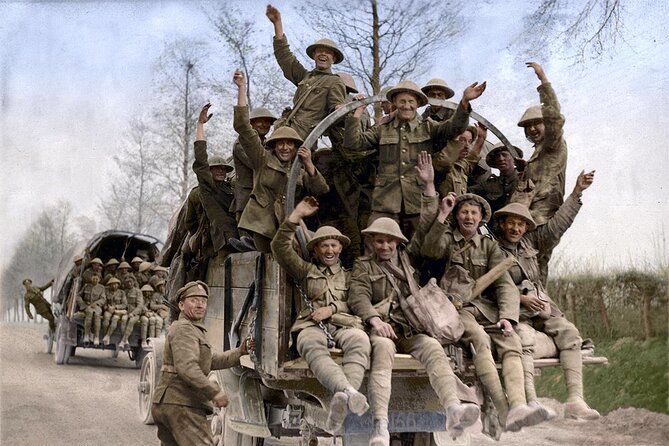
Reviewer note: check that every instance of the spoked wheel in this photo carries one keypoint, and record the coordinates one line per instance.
(218, 420)
(149, 375)
(63, 350)
(48, 341)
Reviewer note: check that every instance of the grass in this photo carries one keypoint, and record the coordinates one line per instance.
(637, 375)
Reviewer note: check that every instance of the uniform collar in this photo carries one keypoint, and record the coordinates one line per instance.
(200, 324)
(317, 71)
(334, 269)
(441, 114)
(412, 124)
(457, 235)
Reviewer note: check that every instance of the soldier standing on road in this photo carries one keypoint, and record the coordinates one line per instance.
(398, 142)
(270, 172)
(543, 181)
(437, 89)
(319, 91)
(115, 310)
(90, 301)
(184, 390)
(35, 297)
(520, 239)
(326, 283)
(498, 306)
(135, 301)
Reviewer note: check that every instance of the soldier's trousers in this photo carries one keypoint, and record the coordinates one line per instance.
(568, 341)
(144, 328)
(132, 320)
(155, 326)
(509, 351)
(425, 349)
(110, 321)
(93, 314)
(44, 310)
(312, 346)
(181, 425)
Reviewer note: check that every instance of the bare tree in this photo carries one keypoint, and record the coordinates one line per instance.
(587, 30)
(385, 42)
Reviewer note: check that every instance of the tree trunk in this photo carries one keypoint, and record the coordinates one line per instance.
(376, 68)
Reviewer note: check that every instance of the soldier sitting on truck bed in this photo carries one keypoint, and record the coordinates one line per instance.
(520, 238)
(143, 274)
(95, 267)
(123, 269)
(42, 306)
(497, 308)
(135, 301)
(376, 282)
(153, 321)
(156, 303)
(438, 89)
(110, 270)
(115, 310)
(90, 301)
(325, 283)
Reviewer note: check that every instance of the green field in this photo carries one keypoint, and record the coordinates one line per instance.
(637, 375)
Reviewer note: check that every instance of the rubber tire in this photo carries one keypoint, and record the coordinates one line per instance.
(63, 350)
(48, 342)
(149, 376)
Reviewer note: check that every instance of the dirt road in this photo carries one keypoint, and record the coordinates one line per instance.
(93, 401)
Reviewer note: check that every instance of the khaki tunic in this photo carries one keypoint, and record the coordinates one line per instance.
(194, 210)
(497, 190)
(243, 175)
(501, 299)
(135, 300)
(397, 187)
(88, 273)
(547, 166)
(117, 300)
(142, 278)
(270, 178)
(323, 285)
(454, 173)
(325, 90)
(216, 197)
(187, 361)
(91, 295)
(34, 296)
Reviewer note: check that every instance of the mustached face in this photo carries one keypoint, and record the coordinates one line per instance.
(513, 228)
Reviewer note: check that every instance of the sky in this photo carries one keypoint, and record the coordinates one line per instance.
(73, 74)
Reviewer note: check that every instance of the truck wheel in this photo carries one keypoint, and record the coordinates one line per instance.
(62, 349)
(48, 341)
(149, 375)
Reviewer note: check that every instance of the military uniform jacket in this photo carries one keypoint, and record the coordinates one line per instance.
(501, 299)
(243, 175)
(88, 273)
(92, 295)
(442, 115)
(547, 166)
(194, 210)
(135, 300)
(497, 190)
(187, 360)
(325, 90)
(34, 296)
(141, 278)
(270, 178)
(397, 186)
(454, 173)
(117, 300)
(156, 301)
(216, 197)
(544, 237)
(323, 285)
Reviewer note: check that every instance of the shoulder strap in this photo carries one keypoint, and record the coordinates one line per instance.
(304, 97)
(404, 260)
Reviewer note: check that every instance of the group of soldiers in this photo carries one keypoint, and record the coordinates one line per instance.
(112, 292)
(401, 199)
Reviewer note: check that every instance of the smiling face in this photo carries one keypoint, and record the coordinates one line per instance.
(385, 246)
(194, 307)
(218, 173)
(513, 228)
(406, 105)
(285, 150)
(324, 57)
(261, 125)
(469, 217)
(535, 131)
(328, 251)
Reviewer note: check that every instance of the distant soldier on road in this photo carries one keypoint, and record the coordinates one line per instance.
(42, 306)
(180, 402)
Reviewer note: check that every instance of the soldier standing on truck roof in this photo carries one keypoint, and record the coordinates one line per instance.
(376, 281)
(115, 310)
(271, 168)
(543, 180)
(462, 245)
(90, 301)
(35, 297)
(135, 301)
(397, 188)
(326, 284)
(181, 396)
(319, 91)
(520, 238)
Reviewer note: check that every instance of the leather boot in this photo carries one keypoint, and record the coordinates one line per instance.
(579, 410)
(380, 434)
(461, 416)
(357, 402)
(523, 415)
(337, 413)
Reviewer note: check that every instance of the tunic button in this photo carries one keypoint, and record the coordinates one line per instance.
(402, 176)
(404, 137)
(404, 150)
(403, 163)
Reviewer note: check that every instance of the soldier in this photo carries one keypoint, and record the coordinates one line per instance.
(110, 270)
(156, 303)
(397, 189)
(123, 270)
(35, 297)
(270, 172)
(77, 260)
(115, 310)
(387, 108)
(184, 390)
(142, 275)
(458, 159)
(135, 262)
(376, 281)
(216, 191)
(518, 238)
(95, 267)
(437, 89)
(319, 91)
(159, 273)
(497, 189)
(543, 181)
(90, 301)
(326, 284)
(261, 120)
(135, 301)
(154, 322)
(497, 308)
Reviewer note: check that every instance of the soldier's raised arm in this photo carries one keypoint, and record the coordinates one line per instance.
(292, 69)
(354, 137)
(201, 163)
(435, 245)
(248, 137)
(282, 241)
(457, 123)
(47, 286)
(428, 206)
(550, 111)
